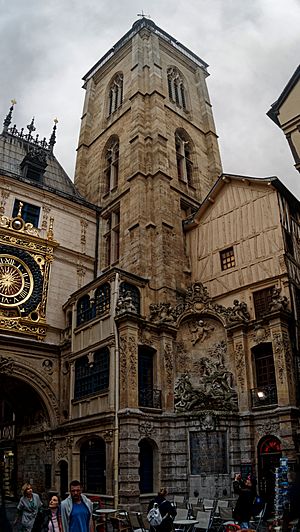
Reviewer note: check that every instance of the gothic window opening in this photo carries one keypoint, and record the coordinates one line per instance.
(85, 311)
(29, 213)
(93, 466)
(115, 94)
(92, 374)
(183, 158)
(149, 397)
(176, 88)
(112, 238)
(262, 300)
(112, 165)
(227, 258)
(102, 299)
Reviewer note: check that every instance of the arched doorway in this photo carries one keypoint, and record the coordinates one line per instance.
(269, 454)
(23, 421)
(93, 466)
(146, 469)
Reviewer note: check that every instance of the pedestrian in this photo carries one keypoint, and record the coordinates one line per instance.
(244, 505)
(167, 511)
(49, 519)
(27, 510)
(237, 484)
(77, 510)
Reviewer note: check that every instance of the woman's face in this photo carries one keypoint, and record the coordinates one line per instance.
(53, 503)
(28, 492)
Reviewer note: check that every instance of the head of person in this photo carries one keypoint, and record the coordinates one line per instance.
(54, 502)
(237, 476)
(75, 490)
(248, 483)
(163, 492)
(27, 490)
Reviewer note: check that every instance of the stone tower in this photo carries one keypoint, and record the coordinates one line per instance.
(148, 152)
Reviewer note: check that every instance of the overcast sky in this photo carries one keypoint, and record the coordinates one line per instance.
(252, 48)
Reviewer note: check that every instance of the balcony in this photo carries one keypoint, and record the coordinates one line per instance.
(150, 398)
(264, 396)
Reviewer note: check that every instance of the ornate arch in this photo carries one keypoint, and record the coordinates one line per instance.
(32, 377)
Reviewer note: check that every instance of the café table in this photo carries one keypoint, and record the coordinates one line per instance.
(186, 524)
(105, 512)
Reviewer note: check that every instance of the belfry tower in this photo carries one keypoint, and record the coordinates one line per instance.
(148, 152)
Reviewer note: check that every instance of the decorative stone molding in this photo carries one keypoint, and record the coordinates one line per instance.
(50, 442)
(267, 427)
(47, 366)
(128, 357)
(145, 336)
(197, 299)
(240, 366)
(146, 428)
(4, 196)
(46, 211)
(125, 304)
(281, 346)
(260, 334)
(108, 436)
(6, 365)
(81, 271)
(84, 224)
(168, 359)
(61, 451)
(208, 421)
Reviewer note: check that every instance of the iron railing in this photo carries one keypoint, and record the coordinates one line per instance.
(264, 396)
(149, 398)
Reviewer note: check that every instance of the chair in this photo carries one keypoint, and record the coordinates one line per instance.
(182, 513)
(179, 501)
(208, 504)
(257, 521)
(121, 522)
(135, 522)
(204, 521)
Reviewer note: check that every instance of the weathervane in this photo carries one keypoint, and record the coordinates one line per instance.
(142, 15)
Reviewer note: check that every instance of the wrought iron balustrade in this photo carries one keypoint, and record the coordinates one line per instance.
(150, 398)
(264, 396)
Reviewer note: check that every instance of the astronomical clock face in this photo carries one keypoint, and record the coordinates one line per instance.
(21, 280)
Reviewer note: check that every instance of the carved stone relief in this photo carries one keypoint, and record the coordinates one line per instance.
(128, 358)
(267, 427)
(146, 428)
(282, 354)
(240, 364)
(168, 359)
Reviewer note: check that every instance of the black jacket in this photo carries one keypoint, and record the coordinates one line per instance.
(167, 511)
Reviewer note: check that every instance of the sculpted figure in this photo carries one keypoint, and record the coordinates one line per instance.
(278, 302)
(200, 331)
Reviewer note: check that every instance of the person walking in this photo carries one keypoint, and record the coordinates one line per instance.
(27, 510)
(77, 510)
(49, 519)
(167, 511)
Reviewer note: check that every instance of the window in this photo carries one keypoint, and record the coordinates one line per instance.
(146, 468)
(112, 238)
(227, 259)
(176, 87)
(93, 465)
(262, 300)
(208, 453)
(148, 396)
(92, 374)
(115, 94)
(112, 165)
(85, 311)
(29, 213)
(102, 299)
(264, 365)
(133, 291)
(183, 157)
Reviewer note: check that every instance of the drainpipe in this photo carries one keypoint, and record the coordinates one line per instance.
(117, 391)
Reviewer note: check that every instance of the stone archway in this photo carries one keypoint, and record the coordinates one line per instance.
(269, 454)
(25, 422)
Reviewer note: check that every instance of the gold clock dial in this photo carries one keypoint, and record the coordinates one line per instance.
(16, 281)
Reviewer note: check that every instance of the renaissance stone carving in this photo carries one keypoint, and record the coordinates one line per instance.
(6, 365)
(213, 393)
(278, 302)
(261, 334)
(240, 363)
(268, 427)
(128, 359)
(146, 428)
(281, 346)
(197, 299)
(168, 363)
(208, 421)
(48, 366)
(200, 330)
(125, 304)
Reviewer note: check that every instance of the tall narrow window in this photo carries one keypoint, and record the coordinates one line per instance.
(112, 165)
(176, 88)
(115, 94)
(112, 238)
(102, 299)
(262, 300)
(183, 157)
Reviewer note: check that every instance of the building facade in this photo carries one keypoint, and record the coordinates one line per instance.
(161, 300)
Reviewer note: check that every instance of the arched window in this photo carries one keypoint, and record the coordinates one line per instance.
(93, 466)
(111, 164)
(146, 467)
(92, 374)
(83, 309)
(115, 93)
(133, 291)
(177, 91)
(102, 299)
(183, 157)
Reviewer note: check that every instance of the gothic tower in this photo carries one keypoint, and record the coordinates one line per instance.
(148, 152)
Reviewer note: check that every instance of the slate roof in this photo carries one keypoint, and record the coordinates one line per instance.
(13, 150)
(275, 107)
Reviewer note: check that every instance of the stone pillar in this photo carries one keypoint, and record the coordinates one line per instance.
(128, 363)
(283, 361)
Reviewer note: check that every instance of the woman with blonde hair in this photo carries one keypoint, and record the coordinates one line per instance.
(167, 511)
(28, 508)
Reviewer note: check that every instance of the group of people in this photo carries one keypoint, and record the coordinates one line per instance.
(73, 514)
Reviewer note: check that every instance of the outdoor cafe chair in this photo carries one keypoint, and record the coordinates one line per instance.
(204, 521)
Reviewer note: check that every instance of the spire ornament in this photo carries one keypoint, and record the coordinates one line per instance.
(52, 140)
(7, 120)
